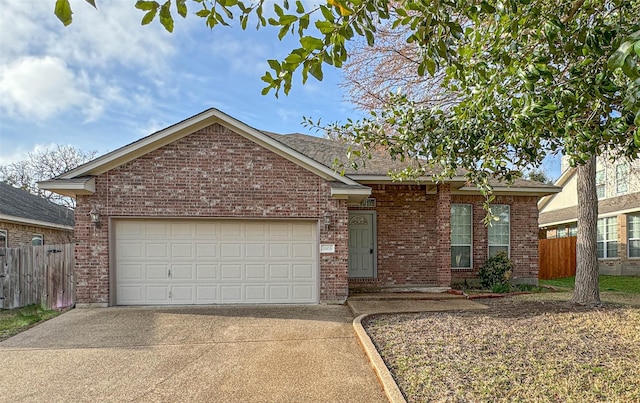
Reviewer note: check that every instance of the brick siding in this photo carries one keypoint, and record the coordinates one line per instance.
(413, 236)
(21, 234)
(213, 172)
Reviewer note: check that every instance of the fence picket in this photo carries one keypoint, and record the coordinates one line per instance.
(37, 275)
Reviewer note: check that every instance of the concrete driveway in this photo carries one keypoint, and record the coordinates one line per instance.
(205, 354)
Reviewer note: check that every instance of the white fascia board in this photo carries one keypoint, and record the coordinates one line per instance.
(383, 179)
(352, 195)
(511, 191)
(35, 223)
(191, 125)
(70, 188)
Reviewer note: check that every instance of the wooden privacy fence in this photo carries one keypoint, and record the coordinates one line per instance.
(557, 258)
(40, 275)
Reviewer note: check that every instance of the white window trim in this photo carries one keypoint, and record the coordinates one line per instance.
(6, 238)
(606, 241)
(629, 237)
(603, 184)
(469, 245)
(625, 178)
(489, 245)
(33, 236)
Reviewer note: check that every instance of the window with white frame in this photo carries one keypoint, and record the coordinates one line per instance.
(461, 236)
(499, 230)
(562, 232)
(633, 234)
(3, 238)
(37, 239)
(600, 183)
(608, 238)
(573, 229)
(622, 178)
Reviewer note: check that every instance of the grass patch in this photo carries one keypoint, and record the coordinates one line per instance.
(628, 284)
(536, 347)
(14, 321)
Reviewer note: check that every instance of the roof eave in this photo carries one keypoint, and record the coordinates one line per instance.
(351, 195)
(70, 188)
(35, 223)
(513, 191)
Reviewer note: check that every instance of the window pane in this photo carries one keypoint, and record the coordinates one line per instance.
(634, 248)
(612, 249)
(460, 256)
(622, 178)
(36, 240)
(633, 223)
(493, 250)
(600, 250)
(573, 229)
(562, 232)
(3, 239)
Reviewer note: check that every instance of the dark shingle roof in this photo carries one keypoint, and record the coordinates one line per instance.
(22, 204)
(326, 151)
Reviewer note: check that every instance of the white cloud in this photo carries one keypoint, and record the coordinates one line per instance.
(21, 153)
(39, 88)
(47, 69)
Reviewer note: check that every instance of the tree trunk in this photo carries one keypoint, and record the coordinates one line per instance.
(586, 290)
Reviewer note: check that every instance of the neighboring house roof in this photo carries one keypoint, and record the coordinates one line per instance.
(315, 154)
(620, 204)
(18, 205)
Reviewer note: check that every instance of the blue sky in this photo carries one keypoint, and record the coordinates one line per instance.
(105, 81)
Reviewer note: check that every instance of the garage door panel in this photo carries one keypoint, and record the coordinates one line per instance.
(254, 250)
(204, 250)
(230, 250)
(206, 271)
(215, 261)
(231, 271)
(156, 271)
(155, 250)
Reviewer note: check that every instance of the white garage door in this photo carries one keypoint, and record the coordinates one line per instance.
(215, 261)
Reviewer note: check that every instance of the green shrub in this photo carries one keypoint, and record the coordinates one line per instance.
(497, 272)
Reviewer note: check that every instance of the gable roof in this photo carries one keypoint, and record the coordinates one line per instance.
(20, 206)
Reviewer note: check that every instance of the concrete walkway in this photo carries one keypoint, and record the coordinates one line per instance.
(204, 354)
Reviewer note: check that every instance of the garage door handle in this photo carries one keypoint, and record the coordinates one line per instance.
(371, 251)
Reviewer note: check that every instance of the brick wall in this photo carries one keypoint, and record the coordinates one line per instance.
(210, 173)
(411, 226)
(524, 236)
(623, 265)
(406, 236)
(20, 235)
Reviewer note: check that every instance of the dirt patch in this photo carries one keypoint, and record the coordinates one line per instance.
(525, 348)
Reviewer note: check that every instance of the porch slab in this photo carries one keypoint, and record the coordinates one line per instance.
(404, 303)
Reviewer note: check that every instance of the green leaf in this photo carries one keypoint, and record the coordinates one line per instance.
(181, 5)
(636, 48)
(431, 66)
(147, 5)
(617, 59)
(204, 13)
(275, 65)
(316, 71)
(63, 11)
(149, 16)
(93, 3)
(288, 19)
(369, 35)
(309, 43)
(299, 7)
(165, 16)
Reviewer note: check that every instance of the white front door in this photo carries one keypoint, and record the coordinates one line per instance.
(170, 261)
(362, 246)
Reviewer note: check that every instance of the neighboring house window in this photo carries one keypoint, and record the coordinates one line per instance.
(562, 232)
(573, 229)
(37, 239)
(633, 235)
(461, 235)
(608, 238)
(622, 178)
(3, 238)
(600, 183)
(499, 231)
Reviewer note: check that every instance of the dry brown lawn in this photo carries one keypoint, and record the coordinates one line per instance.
(532, 348)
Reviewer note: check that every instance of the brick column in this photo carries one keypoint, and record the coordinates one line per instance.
(443, 219)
